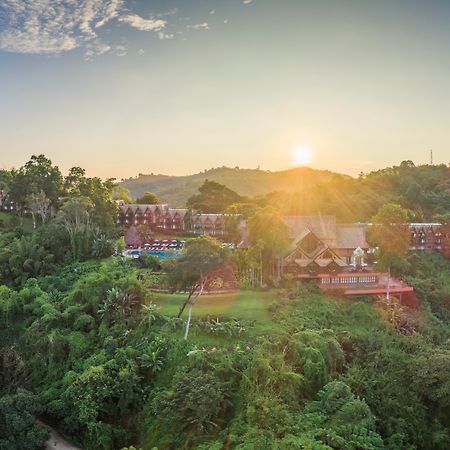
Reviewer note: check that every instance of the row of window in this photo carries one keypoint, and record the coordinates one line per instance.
(349, 279)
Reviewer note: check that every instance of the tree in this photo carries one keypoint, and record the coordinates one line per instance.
(213, 197)
(122, 193)
(39, 204)
(270, 235)
(75, 215)
(18, 427)
(200, 257)
(73, 180)
(37, 175)
(149, 198)
(102, 247)
(390, 234)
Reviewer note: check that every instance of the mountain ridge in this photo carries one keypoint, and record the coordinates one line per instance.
(175, 190)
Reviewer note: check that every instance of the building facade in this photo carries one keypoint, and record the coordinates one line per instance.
(160, 217)
(320, 245)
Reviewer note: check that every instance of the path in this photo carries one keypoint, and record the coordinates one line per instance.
(57, 442)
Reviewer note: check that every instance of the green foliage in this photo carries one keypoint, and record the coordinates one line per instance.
(149, 198)
(105, 361)
(176, 190)
(18, 427)
(102, 247)
(269, 234)
(199, 257)
(390, 233)
(213, 197)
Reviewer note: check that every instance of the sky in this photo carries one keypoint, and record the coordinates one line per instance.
(178, 86)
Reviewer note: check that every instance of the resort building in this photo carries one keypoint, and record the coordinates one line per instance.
(427, 237)
(157, 217)
(319, 244)
(160, 217)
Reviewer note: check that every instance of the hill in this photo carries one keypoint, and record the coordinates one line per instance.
(175, 190)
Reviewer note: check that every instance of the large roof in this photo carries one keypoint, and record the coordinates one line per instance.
(348, 236)
(351, 236)
(324, 227)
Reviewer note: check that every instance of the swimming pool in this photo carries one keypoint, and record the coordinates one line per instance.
(161, 255)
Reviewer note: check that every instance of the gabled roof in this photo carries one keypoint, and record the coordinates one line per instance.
(180, 211)
(204, 218)
(351, 236)
(133, 207)
(324, 227)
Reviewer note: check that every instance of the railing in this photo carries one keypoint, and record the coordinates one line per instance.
(349, 279)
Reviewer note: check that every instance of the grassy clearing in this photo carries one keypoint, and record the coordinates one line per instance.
(247, 305)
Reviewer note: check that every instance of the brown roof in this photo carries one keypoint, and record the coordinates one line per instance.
(133, 237)
(180, 211)
(134, 207)
(351, 236)
(324, 227)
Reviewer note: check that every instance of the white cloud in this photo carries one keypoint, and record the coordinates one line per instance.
(247, 2)
(57, 26)
(213, 11)
(141, 51)
(121, 50)
(162, 35)
(52, 27)
(199, 26)
(142, 24)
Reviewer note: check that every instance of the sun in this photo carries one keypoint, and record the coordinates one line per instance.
(302, 156)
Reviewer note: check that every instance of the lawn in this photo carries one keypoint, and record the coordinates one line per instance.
(247, 305)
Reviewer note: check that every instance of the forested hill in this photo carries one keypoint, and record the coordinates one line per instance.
(175, 190)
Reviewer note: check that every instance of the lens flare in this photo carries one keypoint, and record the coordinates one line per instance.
(302, 156)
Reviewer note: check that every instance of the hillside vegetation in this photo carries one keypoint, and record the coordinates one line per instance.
(89, 344)
(298, 370)
(247, 182)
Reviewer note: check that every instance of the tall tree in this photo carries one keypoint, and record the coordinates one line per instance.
(75, 215)
(192, 271)
(39, 205)
(270, 235)
(390, 233)
(37, 175)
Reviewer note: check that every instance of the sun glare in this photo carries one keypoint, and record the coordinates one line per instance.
(302, 156)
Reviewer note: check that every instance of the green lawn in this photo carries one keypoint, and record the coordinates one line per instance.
(248, 305)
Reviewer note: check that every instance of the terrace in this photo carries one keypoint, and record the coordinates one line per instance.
(363, 283)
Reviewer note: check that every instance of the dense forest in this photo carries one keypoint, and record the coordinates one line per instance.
(89, 346)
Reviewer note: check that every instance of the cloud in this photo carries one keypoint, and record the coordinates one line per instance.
(199, 26)
(142, 24)
(57, 26)
(141, 51)
(163, 35)
(121, 50)
(247, 2)
(52, 27)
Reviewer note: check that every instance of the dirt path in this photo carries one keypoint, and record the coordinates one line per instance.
(57, 442)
